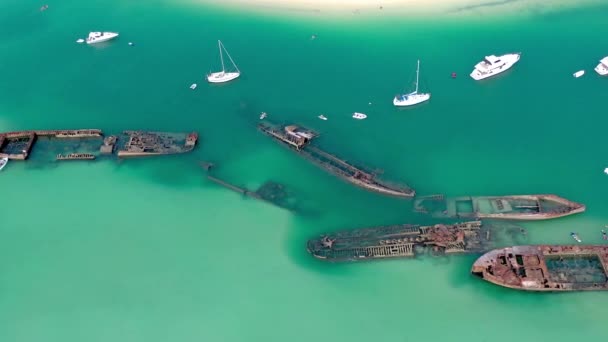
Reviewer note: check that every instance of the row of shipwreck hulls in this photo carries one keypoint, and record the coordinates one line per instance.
(541, 268)
(533, 268)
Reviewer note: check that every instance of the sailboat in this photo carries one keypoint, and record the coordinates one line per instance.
(413, 97)
(223, 76)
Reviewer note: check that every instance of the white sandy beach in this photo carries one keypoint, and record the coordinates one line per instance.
(406, 6)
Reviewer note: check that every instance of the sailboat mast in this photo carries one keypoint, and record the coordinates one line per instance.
(417, 74)
(219, 43)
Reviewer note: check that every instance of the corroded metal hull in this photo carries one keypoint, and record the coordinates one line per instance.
(515, 207)
(400, 241)
(299, 140)
(140, 143)
(546, 268)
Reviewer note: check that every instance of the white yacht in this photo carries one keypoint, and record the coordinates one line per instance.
(494, 65)
(3, 162)
(359, 116)
(223, 76)
(413, 97)
(602, 68)
(98, 37)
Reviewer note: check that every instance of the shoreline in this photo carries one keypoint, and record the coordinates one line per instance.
(408, 8)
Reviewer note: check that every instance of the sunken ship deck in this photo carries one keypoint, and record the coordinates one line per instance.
(515, 207)
(400, 241)
(546, 268)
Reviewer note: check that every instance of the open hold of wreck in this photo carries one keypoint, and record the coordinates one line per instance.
(546, 268)
(399, 241)
(299, 139)
(516, 207)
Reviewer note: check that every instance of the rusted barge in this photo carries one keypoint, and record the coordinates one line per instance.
(139, 143)
(546, 268)
(299, 139)
(400, 241)
(516, 207)
(18, 145)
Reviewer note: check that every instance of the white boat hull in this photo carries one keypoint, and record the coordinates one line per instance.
(101, 38)
(579, 73)
(410, 99)
(507, 61)
(602, 68)
(221, 77)
(3, 162)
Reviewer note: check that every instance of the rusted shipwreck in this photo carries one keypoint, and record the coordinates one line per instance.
(270, 192)
(546, 268)
(299, 139)
(139, 143)
(516, 207)
(19, 145)
(401, 241)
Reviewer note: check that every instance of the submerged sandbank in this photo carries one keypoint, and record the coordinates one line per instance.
(405, 7)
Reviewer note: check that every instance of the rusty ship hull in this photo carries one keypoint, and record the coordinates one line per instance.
(299, 140)
(514, 207)
(400, 241)
(141, 144)
(546, 268)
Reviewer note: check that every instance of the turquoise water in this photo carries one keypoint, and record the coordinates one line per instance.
(147, 250)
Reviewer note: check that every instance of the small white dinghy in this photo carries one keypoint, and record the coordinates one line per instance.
(322, 117)
(80, 41)
(606, 170)
(579, 73)
(3, 162)
(575, 237)
(359, 116)
(224, 76)
(263, 116)
(193, 86)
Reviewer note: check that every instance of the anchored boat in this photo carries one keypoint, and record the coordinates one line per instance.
(98, 37)
(414, 97)
(494, 65)
(516, 207)
(602, 68)
(298, 139)
(400, 241)
(546, 268)
(224, 76)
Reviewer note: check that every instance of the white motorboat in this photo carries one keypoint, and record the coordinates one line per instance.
(322, 117)
(606, 170)
(359, 116)
(98, 37)
(3, 162)
(413, 97)
(224, 76)
(576, 237)
(602, 68)
(263, 116)
(193, 86)
(80, 41)
(579, 73)
(494, 65)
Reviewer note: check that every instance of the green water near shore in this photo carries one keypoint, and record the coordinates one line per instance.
(147, 250)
